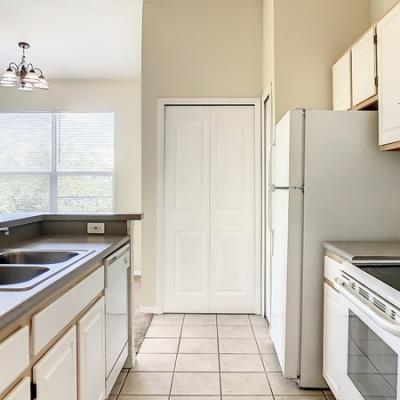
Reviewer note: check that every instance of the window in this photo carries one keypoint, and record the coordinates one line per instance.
(59, 162)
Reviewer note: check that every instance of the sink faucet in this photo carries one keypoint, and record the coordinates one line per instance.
(5, 231)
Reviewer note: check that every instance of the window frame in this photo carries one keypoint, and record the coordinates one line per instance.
(53, 174)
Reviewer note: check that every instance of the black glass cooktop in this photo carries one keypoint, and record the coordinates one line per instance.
(387, 273)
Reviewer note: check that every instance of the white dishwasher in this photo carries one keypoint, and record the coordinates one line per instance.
(116, 294)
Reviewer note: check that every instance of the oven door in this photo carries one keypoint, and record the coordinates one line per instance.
(371, 364)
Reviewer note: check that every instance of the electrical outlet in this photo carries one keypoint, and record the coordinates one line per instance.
(95, 227)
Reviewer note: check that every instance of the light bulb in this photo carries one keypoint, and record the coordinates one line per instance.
(42, 84)
(5, 83)
(31, 77)
(9, 76)
(26, 87)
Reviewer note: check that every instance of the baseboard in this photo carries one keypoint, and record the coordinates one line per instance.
(137, 272)
(150, 310)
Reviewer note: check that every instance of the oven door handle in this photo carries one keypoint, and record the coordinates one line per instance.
(384, 323)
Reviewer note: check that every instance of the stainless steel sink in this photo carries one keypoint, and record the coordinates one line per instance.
(16, 275)
(29, 257)
(23, 269)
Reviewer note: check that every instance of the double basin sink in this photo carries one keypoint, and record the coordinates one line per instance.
(24, 269)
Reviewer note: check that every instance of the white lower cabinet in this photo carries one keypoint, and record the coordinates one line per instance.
(21, 392)
(91, 353)
(55, 374)
(333, 321)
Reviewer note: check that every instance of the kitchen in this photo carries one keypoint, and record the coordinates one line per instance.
(167, 211)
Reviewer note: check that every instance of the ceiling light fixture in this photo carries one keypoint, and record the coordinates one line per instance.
(28, 76)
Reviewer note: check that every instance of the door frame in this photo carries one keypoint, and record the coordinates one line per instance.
(267, 140)
(162, 103)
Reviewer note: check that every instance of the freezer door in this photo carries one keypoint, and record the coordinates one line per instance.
(289, 150)
(286, 278)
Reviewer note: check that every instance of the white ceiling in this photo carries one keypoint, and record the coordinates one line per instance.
(74, 39)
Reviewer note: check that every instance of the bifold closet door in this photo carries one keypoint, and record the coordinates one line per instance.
(232, 209)
(209, 209)
(186, 209)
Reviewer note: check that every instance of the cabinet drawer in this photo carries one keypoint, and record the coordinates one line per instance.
(49, 322)
(14, 357)
(21, 392)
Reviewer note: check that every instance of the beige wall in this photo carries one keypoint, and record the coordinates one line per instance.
(121, 97)
(309, 35)
(380, 7)
(196, 48)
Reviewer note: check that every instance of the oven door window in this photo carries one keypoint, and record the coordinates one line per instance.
(372, 364)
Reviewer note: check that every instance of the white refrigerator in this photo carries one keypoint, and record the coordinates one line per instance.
(330, 182)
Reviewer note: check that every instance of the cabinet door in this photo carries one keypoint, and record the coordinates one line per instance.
(55, 374)
(388, 30)
(91, 353)
(186, 209)
(333, 359)
(363, 68)
(232, 185)
(21, 392)
(341, 83)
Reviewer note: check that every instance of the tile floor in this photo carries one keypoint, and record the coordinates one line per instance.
(208, 357)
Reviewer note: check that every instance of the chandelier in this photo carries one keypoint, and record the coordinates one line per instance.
(26, 75)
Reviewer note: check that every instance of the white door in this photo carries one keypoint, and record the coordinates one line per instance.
(341, 83)
(232, 209)
(55, 374)
(208, 209)
(91, 353)
(186, 209)
(388, 30)
(363, 68)
(21, 392)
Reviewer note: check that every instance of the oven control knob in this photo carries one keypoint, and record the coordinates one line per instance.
(339, 281)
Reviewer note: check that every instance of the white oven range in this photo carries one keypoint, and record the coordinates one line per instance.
(362, 328)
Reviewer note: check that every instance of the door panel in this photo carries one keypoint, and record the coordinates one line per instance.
(388, 71)
(335, 327)
(363, 66)
(92, 357)
(186, 209)
(232, 209)
(21, 392)
(55, 374)
(341, 83)
(191, 248)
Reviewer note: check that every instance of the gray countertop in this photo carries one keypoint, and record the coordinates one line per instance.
(349, 250)
(15, 304)
(18, 219)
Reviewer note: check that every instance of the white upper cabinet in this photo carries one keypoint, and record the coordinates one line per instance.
(388, 30)
(341, 80)
(363, 68)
